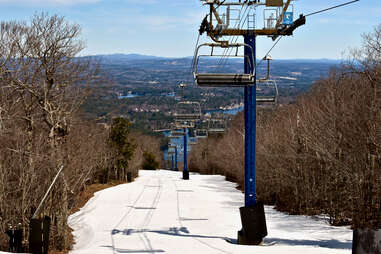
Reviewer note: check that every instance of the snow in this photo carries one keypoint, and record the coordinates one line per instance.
(161, 213)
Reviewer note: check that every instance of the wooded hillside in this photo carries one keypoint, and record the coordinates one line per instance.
(42, 85)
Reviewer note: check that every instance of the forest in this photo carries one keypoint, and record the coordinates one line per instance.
(42, 87)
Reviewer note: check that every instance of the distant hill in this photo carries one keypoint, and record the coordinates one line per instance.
(124, 58)
(118, 58)
(322, 60)
(139, 70)
(150, 79)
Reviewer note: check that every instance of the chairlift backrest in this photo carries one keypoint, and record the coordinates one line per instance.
(267, 89)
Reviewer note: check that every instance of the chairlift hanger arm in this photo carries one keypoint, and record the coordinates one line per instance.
(330, 8)
(219, 20)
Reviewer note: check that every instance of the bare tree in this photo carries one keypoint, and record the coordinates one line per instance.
(41, 76)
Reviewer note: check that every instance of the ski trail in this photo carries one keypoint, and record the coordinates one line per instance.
(182, 225)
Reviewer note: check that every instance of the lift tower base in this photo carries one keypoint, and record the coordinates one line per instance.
(254, 227)
(186, 175)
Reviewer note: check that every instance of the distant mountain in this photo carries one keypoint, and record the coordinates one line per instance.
(131, 56)
(128, 58)
(322, 60)
(125, 58)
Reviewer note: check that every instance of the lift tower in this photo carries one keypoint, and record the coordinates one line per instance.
(217, 24)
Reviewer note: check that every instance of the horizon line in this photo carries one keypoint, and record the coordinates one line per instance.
(182, 57)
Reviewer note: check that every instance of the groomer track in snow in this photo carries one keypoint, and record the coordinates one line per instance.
(161, 213)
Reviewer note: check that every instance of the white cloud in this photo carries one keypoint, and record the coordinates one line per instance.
(48, 2)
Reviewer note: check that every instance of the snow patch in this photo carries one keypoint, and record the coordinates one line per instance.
(196, 216)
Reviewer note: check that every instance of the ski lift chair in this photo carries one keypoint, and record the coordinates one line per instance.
(201, 133)
(192, 141)
(187, 111)
(172, 147)
(184, 124)
(177, 133)
(266, 88)
(217, 126)
(267, 91)
(222, 79)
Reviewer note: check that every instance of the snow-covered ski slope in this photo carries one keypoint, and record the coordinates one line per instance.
(161, 213)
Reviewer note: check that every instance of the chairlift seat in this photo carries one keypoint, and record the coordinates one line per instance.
(216, 79)
(201, 133)
(216, 130)
(187, 126)
(187, 116)
(177, 133)
(266, 83)
(175, 136)
(181, 124)
(262, 99)
(224, 80)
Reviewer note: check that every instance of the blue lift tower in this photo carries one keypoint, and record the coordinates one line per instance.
(226, 20)
(187, 113)
(175, 153)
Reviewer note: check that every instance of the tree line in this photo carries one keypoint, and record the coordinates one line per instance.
(320, 154)
(43, 84)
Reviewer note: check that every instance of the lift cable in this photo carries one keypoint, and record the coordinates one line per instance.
(310, 14)
(233, 39)
(237, 25)
(268, 52)
(334, 7)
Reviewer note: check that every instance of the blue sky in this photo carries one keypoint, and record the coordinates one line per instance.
(169, 27)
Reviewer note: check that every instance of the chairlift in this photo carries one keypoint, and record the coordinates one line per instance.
(216, 126)
(216, 79)
(187, 111)
(266, 88)
(177, 133)
(267, 91)
(172, 148)
(192, 141)
(184, 124)
(201, 133)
